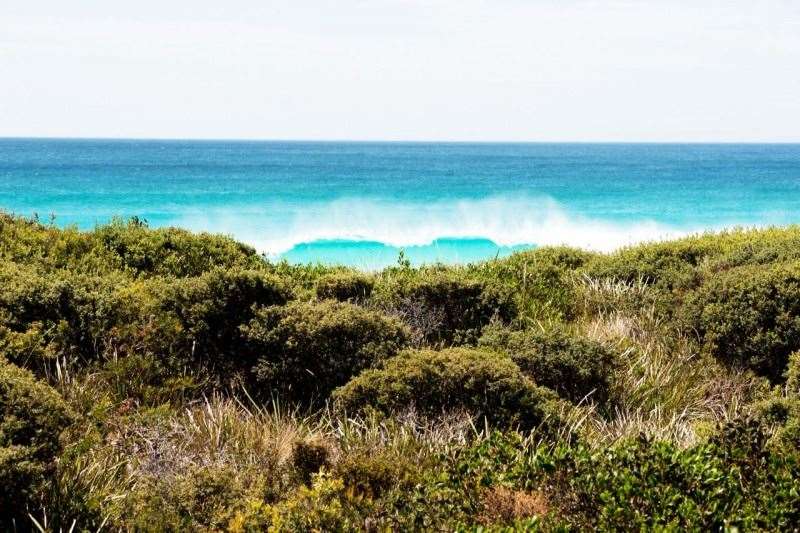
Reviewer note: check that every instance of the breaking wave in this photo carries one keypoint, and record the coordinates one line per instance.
(506, 222)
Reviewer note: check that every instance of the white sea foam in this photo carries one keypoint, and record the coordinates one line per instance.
(506, 221)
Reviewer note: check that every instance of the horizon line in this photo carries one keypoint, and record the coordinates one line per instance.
(388, 141)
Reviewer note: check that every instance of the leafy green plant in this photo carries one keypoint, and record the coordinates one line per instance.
(305, 350)
(575, 367)
(32, 418)
(447, 307)
(484, 383)
(750, 317)
(344, 287)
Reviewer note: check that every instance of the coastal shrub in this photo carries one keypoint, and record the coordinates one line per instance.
(542, 280)
(731, 481)
(575, 367)
(781, 414)
(122, 245)
(323, 506)
(307, 349)
(344, 287)
(684, 264)
(144, 380)
(372, 473)
(27, 241)
(667, 265)
(447, 307)
(741, 247)
(309, 457)
(131, 245)
(207, 312)
(43, 315)
(483, 383)
(32, 418)
(750, 317)
(204, 498)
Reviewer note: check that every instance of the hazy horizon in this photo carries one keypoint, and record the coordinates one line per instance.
(403, 70)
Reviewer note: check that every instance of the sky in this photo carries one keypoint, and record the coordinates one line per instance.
(455, 70)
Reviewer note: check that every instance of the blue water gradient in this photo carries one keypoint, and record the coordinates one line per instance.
(360, 203)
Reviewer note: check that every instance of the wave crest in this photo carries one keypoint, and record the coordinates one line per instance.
(503, 220)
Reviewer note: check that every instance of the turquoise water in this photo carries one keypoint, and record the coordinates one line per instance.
(361, 203)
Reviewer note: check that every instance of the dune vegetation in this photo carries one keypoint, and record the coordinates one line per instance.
(159, 380)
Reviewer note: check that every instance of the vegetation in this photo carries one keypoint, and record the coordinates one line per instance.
(33, 417)
(435, 382)
(158, 380)
(308, 349)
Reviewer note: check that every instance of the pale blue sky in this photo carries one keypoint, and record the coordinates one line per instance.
(527, 70)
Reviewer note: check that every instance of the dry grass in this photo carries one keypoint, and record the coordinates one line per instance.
(237, 435)
(665, 388)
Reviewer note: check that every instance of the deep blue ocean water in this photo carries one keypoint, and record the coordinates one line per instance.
(360, 203)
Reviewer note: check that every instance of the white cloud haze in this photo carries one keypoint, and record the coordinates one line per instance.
(528, 70)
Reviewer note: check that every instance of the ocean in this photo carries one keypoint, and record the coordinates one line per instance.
(361, 203)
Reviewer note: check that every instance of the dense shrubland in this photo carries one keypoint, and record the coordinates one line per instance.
(154, 379)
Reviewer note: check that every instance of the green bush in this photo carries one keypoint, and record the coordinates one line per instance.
(32, 417)
(373, 473)
(541, 280)
(210, 498)
(344, 287)
(446, 307)
(732, 481)
(781, 414)
(305, 350)
(62, 313)
(324, 506)
(750, 317)
(686, 263)
(134, 247)
(144, 380)
(128, 246)
(575, 367)
(193, 319)
(200, 318)
(178, 320)
(667, 265)
(433, 382)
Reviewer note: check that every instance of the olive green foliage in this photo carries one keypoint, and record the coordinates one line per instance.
(344, 287)
(782, 415)
(32, 417)
(324, 506)
(374, 473)
(205, 499)
(750, 316)
(129, 246)
(208, 312)
(733, 480)
(60, 314)
(144, 380)
(686, 263)
(542, 281)
(575, 367)
(484, 383)
(446, 307)
(307, 349)
(179, 381)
